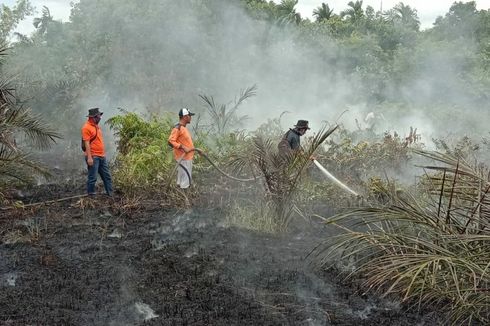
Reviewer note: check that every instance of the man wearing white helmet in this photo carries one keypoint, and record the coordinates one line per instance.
(181, 141)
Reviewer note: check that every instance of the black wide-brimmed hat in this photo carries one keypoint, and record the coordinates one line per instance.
(302, 124)
(94, 112)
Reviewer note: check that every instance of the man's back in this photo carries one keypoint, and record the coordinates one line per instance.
(290, 141)
(293, 139)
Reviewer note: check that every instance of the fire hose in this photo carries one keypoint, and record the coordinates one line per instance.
(203, 154)
(317, 164)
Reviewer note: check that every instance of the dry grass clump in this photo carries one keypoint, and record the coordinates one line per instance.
(15, 236)
(432, 249)
(28, 231)
(257, 217)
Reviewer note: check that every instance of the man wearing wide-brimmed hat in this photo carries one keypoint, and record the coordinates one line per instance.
(291, 139)
(181, 141)
(93, 146)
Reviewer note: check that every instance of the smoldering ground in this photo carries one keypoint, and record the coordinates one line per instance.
(163, 267)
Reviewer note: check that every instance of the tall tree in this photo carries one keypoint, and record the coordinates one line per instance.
(323, 12)
(355, 13)
(460, 22)
(41, 23)
(10, 17)
(404, 15)
(287, 12)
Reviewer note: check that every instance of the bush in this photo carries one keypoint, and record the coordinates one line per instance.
(144, 159)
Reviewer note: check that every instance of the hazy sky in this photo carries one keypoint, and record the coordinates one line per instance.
(428, 10)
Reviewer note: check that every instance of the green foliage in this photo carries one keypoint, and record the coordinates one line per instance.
(381, 54)
(460, 22)
(355, 161)
(134, 132)
(144, 160)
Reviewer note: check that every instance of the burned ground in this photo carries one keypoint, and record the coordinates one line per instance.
(89, 262)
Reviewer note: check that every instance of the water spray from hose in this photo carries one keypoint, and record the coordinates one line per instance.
(334, 179)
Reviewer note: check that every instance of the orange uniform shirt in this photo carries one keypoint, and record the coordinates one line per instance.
(181, 136)
(89, 130)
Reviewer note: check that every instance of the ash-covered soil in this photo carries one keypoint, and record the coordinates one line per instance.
(99, 262)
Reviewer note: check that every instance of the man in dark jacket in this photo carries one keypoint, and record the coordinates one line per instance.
(291, 139)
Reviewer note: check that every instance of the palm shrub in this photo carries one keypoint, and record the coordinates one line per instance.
(20, 129)
(279, 173)
(430, 248)
(357, 160)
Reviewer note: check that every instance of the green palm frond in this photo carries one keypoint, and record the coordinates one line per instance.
(3, 51)
(324, 12)
(223, 116)
(7, 95)
(7, 154)
(431, 251)
(244, 94)
(15, 120)
(15, 165)
(37, 131)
